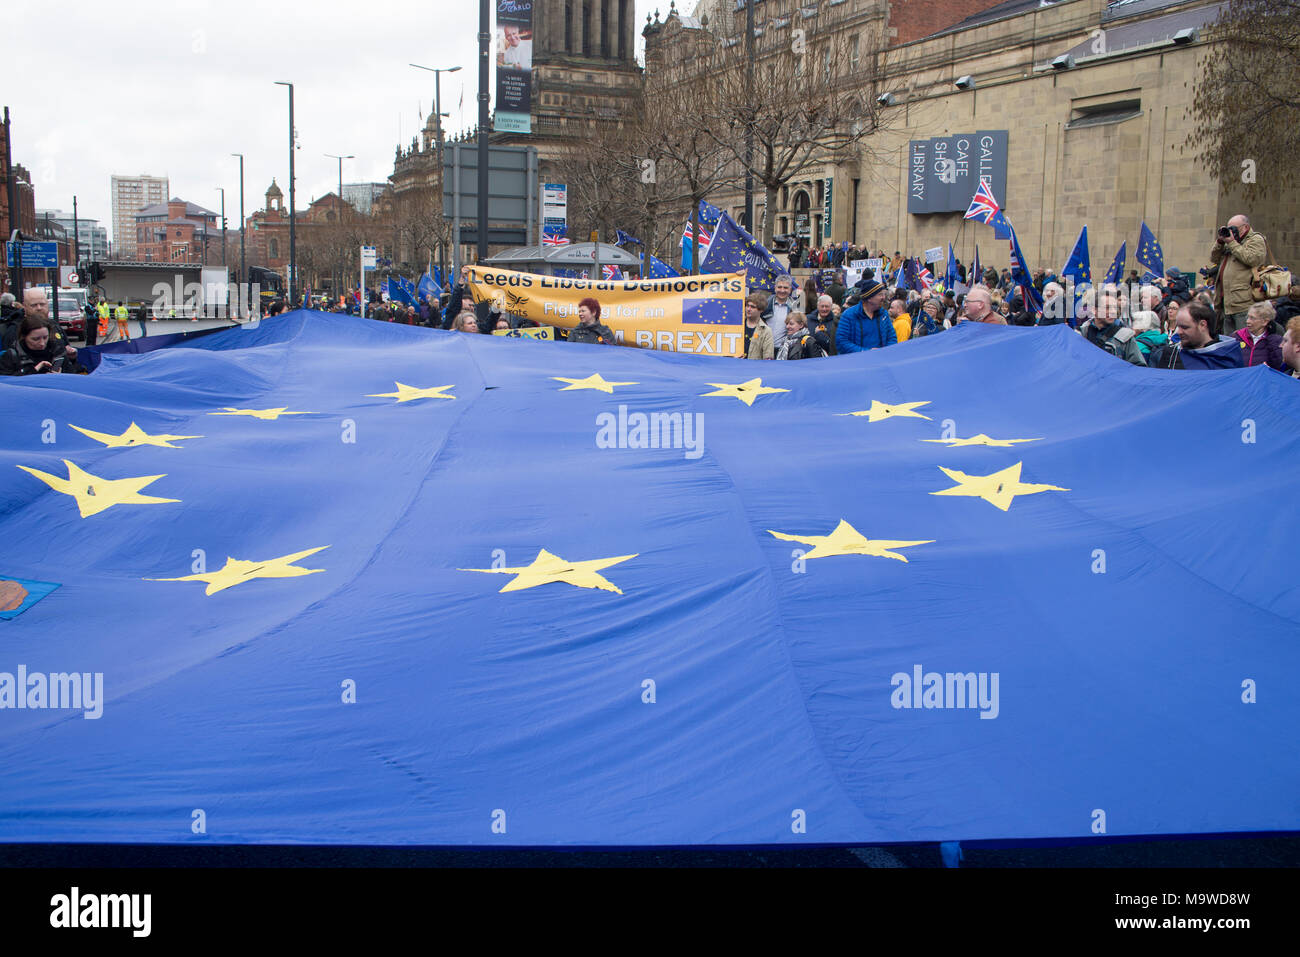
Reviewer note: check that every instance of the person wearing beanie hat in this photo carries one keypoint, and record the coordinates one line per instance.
(866, 325)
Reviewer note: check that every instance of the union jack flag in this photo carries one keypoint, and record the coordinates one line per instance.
(927, 280)
(705, 236)
(983, 206)
(554, 239)
(611, 272)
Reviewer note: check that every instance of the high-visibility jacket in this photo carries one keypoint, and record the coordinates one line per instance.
(101, 310)
(120, 313)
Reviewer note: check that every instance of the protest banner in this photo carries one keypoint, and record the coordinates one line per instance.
(697, 314)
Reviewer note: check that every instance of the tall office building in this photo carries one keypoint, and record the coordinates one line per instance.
(130, 195)
(92, 238)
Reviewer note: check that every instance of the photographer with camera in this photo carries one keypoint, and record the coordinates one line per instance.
(1238, 249)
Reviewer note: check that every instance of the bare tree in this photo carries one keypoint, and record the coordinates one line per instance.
(1246, 109)
(808, 103)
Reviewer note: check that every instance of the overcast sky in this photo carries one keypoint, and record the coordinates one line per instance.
(173, 88)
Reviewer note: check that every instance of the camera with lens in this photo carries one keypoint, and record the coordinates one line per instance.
(1228, 232)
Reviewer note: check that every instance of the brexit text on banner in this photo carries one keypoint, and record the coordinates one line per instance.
(696, 314)
(514, 66)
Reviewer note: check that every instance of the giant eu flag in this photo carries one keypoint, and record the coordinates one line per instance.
(277, 606)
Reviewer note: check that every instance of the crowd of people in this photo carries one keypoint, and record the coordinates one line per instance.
(1164, 323)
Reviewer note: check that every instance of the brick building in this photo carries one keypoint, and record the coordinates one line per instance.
(177, 231)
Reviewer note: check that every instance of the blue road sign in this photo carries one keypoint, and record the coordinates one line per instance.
(35, 255)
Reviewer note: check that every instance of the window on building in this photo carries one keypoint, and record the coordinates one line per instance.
(622, 28)
(586, 28)
(853, 53)
(605, 25)
(1098, 114)
(826, 64)
(273, 249)
(568, 25)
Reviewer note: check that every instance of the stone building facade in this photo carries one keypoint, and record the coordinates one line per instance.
(1099, 139)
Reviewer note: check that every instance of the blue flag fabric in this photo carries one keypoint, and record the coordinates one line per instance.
(1150, 254)
(667, 675)
(427, 288)
(976, 270)
(401, 290)
(1115, 274)
(658, 268)
(950, 276)
(1001, 225)
(709, 214)
(734, 249)
(625, 239)
(1020, 275)
(911, 275)
(1079, 267)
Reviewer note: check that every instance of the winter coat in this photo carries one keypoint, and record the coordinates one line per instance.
(1237, 262)
(823, 331)
(17, 360)
(596, 332)
(802, 345)
(858, 332)
(1268, 351)
(760, 343)
(1118, 340)
(1150, 340)
(1224, 353)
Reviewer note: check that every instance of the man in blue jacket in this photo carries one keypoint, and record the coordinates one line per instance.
(866, 325)
(1198, 347)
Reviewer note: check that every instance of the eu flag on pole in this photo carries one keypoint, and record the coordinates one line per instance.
(976, 274)
(950, 277)
(554, 237)
(1115, 274)
(1150, 254)
(709, 214)
(911, 275)
(428, 288)
(711, 311)
(1020, 273)
(625, 239)
(658, 269)
(734, 249)
(1079, 267)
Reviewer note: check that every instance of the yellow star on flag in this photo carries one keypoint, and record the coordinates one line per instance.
(746, 392)
(409, 393)
(237, 571)
(593, 381)
(95, 494)
(980, 439)
(999, 489)
(268, 414)
(847, 540)
(880, 411)
(547, 568)
(134, 436)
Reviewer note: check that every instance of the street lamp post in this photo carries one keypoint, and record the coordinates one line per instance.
(484, 38)
(222, 191)
(293, 215)
(437, 113)
(338, 289)
(242, 275)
